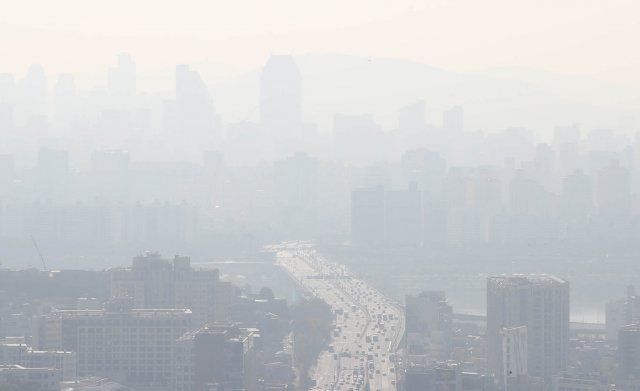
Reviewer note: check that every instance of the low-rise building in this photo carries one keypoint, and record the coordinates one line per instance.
(36, 379)
(130, 346)
(92, 384)
(219, 355)
(24, 355)
(156, 283)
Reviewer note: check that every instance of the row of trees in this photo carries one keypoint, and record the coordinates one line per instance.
(312, 320)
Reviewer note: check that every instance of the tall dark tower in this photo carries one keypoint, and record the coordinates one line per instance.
(281, 97)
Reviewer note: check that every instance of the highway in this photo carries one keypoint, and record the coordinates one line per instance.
(368, 326)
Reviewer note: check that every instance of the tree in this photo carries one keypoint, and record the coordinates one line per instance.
(9, 387)
(311, 320)
(266, 293)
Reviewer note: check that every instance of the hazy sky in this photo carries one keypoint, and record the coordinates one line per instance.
(593, 37)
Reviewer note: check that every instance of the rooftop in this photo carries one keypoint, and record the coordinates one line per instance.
(137, 312)
(526, 279)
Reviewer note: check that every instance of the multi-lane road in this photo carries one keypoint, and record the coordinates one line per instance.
(368, 326)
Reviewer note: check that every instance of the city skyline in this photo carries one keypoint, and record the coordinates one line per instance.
(286, 195)
(376, 29)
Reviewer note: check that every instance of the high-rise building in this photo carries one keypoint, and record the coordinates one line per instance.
(566, 142)
(402, 218)
(613, 190)
(453, 120)
(192, 111)
(448, 376)
(122, 78)
(566, 134)
(429, 324)
(359, 130)
(427, 169)
(8, 100)
(7, 171)
(65, 109)
(514, 353)
(211, 181)
(6, 117)
(281, 97)
(367, 216)
(577, 197)
(629, 353)
(296, 192)
(541, 304)
(156, 283)
(32, 96)
(8, 89)
(620, 313)
(52, 173)
(110, 175)
(411, 117)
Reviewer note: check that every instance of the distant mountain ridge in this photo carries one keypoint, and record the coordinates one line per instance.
(493, 99)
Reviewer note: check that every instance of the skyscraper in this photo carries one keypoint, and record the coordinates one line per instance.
(411, 117)
(32, 96)
(613, 190)
(8, 89)
(539, 302)
(8, 97)
(359, 130)
(402, 218)
(296, 192)
(577, 197)
(66, 101)
(514, 353)
(122, 78)
(281, 97)
(620, 313)
(453, 120)
(192, 111)
(367, 216)
(52, 173)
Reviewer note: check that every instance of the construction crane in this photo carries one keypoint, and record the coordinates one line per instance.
(35, 244)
